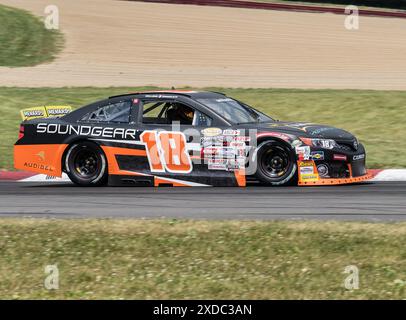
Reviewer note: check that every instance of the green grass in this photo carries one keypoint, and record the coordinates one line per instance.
(377, 117)
(24, 41)
(169, 259)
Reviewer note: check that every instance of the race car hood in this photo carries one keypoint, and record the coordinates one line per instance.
(308, 130)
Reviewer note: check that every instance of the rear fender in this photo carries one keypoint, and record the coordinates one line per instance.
(40, 158)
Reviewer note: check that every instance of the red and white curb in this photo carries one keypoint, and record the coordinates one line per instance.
(388, 175)
(21, 176)
(45, 178)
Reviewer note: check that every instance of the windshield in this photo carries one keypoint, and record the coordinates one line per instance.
(234, 111)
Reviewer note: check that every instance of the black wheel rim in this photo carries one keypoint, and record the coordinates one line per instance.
(86, 163)
(275, 162)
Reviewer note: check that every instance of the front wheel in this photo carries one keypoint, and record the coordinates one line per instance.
(86, 164)
(276, 164)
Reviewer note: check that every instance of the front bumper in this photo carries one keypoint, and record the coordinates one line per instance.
(332, 167)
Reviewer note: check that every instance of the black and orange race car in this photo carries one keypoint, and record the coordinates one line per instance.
(186, 138)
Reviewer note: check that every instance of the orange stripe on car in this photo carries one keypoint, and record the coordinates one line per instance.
(112, 152)
(159, 180)
(240, 177)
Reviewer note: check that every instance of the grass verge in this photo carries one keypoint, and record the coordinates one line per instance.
(377, 118)
(169, 259)
(24, 41)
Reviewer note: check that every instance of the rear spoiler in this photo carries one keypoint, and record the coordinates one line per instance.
(45, 112)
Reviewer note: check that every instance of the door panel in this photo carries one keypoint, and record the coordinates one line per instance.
(179, 154)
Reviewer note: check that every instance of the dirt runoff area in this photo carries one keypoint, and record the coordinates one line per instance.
(120, 43)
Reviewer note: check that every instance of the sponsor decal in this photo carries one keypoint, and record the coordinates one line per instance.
(58, 111)
(305, 163)
(310, 177)
(306, 170)
(41, 155)
(340, 157)
(231, 132)
(358, 157)
(237, 144)
(303, 153)
(320, 130)
(225, 164)
(161, 96)
(235, 164)
(317, 155)
(242, 138)
(212, 142)
(223, 152)
(44, 112)
(33, 165)
(211, 150)
(211, 132)
(33, 113)
(217, 164)
(220, 152)
(105, 132)
(224, 140)
(226, 151)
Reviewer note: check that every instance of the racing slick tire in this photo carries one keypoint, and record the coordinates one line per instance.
(276, 164)
(86, 164)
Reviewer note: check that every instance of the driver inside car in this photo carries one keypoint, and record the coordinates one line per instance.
(180, 113)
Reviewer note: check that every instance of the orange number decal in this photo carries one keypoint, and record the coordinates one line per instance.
(166, 151)
(173, 144)
(153, 153)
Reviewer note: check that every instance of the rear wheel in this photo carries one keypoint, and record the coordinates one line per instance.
(86, 164)
(276, 163)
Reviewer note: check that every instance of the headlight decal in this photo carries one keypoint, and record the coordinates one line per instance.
(320, 143)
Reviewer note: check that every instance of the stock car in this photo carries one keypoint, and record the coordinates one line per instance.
(186, 138)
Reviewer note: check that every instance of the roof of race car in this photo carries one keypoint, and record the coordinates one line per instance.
(188, 93)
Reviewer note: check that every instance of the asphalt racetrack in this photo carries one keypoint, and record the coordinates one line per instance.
(383, 201)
